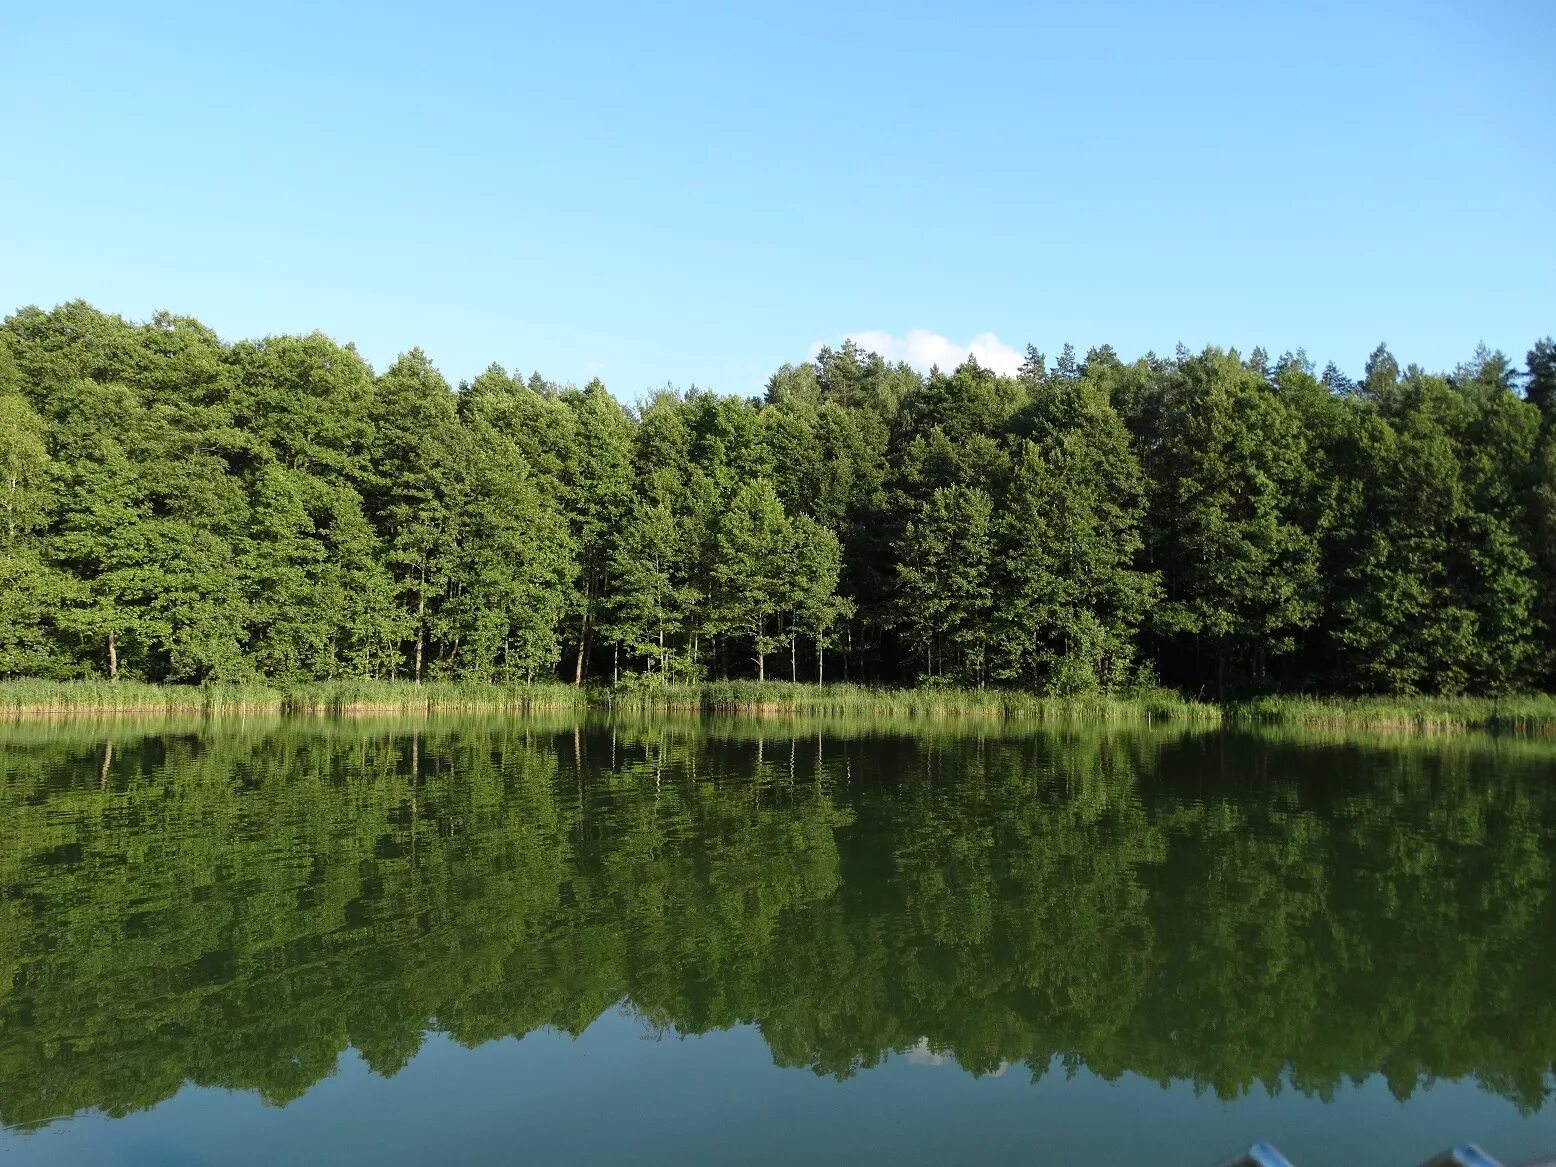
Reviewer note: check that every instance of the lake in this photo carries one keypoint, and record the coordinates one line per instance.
(497, 941)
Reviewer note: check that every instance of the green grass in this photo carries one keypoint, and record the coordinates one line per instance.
(50, 697)
(1530, 714)
(133, 697)
(733, 697)
(841, 700)
(432, 696)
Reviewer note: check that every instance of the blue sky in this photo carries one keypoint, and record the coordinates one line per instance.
(697, 193)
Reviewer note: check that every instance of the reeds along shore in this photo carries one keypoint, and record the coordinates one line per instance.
(752, 697)
(1530, 715)
(1522, 714)
(44, 697)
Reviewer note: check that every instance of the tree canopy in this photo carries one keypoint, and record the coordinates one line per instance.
(176, 507)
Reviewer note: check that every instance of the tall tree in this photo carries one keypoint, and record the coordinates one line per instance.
(944, 591)
(598, 475)
(1540, 378)
(30, 591)
(648, 601)
(749, 571)
(411, 495)
(814, 565)
(512, 562)
(1240, 573)
(1068, 595)
(1440, 593)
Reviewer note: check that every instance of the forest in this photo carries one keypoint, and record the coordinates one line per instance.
(236, 909)
(175, 507)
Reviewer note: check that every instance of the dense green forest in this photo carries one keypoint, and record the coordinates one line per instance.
(174, 507)
(236, 908)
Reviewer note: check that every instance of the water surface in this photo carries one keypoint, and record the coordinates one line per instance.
(500, 941)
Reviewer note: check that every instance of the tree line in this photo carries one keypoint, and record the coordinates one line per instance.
(235, 909)
(175, 507)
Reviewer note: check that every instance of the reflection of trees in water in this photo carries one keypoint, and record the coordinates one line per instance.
(235, 908)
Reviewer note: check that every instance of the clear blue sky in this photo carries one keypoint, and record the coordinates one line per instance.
(698, 192)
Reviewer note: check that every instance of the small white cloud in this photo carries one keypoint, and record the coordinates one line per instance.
(923, 350)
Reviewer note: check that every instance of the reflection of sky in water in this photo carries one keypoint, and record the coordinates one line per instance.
(608, 1097)
(922, 1055)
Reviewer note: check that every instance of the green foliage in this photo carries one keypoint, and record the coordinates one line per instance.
(749, 569)
(599, 495)
(505, 577)
(648, 605)
(31, 592)
(1436, 589)
(1240, 573)
(1070, 597)
(945, 597)
(1529, 715)
(176, 508)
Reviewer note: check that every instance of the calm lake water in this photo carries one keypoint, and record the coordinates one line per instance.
(684, 942)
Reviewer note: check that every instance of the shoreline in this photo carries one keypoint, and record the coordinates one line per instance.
(1528, 715)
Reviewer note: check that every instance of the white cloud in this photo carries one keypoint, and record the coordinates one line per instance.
(924, 349)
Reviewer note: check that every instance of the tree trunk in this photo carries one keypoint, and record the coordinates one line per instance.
(821, 660)
(616, 664)
(583, 633)
(421, 633)
(794, 657)
(583, 647)
(113, 658)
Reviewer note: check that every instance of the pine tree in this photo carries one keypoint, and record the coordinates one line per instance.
(1540, 379)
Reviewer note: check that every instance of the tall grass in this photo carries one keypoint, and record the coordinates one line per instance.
(1533, 714)
(134, 697)
(431, 696)
(842, 700)
(46, 697)
(733, 697)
